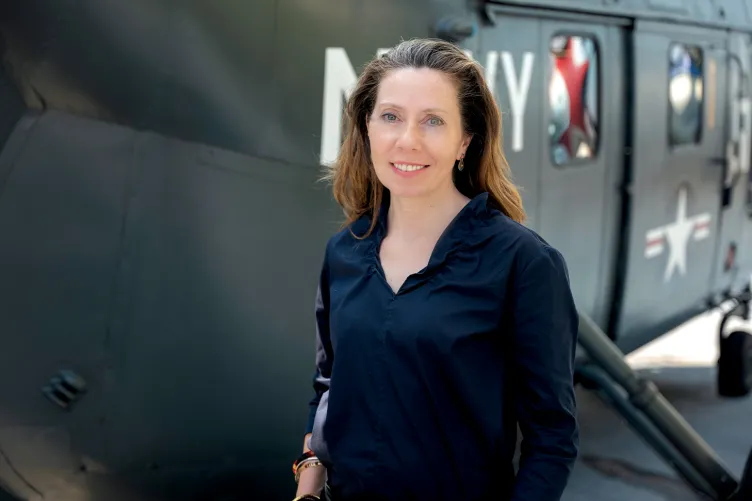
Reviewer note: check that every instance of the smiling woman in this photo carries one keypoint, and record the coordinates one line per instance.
(422, 95)
(407, 134)
(450, 322)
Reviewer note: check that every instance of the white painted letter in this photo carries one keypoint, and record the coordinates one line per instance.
(518, 90)
(492, 60)
(339, 80)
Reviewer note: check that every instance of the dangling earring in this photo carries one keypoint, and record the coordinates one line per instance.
(462, 163)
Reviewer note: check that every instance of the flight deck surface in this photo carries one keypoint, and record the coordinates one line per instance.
(616, 465)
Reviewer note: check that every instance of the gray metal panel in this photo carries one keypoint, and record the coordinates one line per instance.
(736, 120)
(614, 101)
(551, 193)
(740, 11)
(573, 196)
(716, 13)
(60, 226)
(514, 39)
(684, 7)
(659, 174)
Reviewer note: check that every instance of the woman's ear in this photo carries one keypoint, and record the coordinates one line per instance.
(464, 146)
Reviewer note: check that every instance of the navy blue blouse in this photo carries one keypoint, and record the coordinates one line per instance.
(418, 394)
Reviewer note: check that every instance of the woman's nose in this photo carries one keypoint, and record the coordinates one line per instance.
(409, 137)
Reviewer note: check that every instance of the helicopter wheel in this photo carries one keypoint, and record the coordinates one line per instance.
(735, 365)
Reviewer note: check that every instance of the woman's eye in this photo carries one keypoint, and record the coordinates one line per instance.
(391, 117)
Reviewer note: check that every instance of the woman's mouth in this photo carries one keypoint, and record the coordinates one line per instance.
(408, 168)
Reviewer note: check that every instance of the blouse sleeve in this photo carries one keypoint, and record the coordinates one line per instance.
(322, 372)
(545, 339)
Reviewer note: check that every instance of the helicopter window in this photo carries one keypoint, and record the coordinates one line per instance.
(685, 94)
(573, 93)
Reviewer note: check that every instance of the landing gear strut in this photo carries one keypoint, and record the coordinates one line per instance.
(655, 420)
(735, 360)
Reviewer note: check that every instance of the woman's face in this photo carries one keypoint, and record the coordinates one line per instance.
(416, 132)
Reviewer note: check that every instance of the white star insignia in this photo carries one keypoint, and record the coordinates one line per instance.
(677, 235)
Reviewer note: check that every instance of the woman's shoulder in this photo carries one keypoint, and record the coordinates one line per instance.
(523, 245)
(349, 241)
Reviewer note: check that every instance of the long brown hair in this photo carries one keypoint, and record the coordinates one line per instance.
(355, 185)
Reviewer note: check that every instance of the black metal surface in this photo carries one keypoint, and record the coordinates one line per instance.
(11, 107)
(11, 104)
(223, 72)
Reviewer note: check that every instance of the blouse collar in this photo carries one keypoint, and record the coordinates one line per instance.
(457, 235)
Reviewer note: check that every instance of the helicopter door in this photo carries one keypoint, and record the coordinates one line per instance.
(555, 82)
(583, 152)
(679, 133)
(735, 222)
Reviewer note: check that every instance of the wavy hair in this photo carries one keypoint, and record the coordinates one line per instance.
(356, 187)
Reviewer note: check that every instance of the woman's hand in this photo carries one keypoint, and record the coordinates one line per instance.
(311, 479)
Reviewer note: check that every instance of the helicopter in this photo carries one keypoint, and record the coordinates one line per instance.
(157, 159)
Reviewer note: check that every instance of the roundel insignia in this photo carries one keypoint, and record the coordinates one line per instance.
(676, 236)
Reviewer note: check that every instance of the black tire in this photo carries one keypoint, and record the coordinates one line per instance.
(744, 491)
(735, 365)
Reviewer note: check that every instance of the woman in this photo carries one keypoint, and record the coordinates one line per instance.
(443, 322)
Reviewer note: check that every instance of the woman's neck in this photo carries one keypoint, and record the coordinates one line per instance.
(411, 218)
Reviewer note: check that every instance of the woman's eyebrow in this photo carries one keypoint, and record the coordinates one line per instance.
(396, 106)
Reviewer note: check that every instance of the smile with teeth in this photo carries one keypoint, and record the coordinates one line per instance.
(409, 167)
